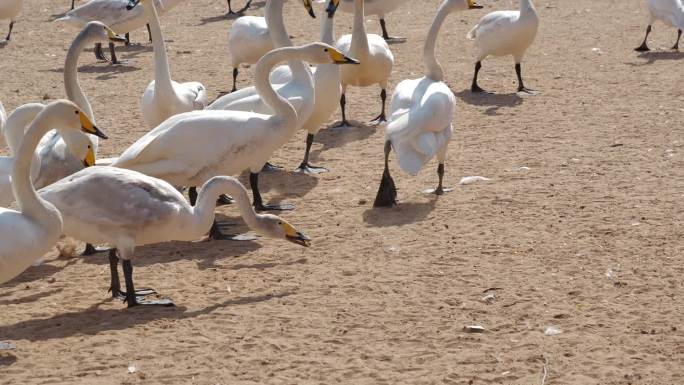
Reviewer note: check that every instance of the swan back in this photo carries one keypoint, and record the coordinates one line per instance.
(113, 13)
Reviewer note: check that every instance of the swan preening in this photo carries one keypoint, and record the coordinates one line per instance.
(375, 57)
(32, 230)
(125, 209)
(379, 8)
(250, 37)
(504, 33)
(670, 12)
(421, 114)
(9, 9)
(164, 97)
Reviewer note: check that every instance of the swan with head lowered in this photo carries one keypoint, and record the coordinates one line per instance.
(125, 209)
(421, 114)
(376, 62)
(164, 97)
(670, 12)
(189, 149)
(64, 153)
(504, 33)
(32, 230)
(379, 8)
(16, 123)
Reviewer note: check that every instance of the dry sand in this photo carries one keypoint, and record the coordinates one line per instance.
(383, 295)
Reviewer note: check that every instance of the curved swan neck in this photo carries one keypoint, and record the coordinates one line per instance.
(433, 69)
(17, 122)
(29, 203)
(206, 200)
(162, 74)
(71, 85)
(278, 34)
(526, 6)
(281, 106)
(328, 29)
(359, 44)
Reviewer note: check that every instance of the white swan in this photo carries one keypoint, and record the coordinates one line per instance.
(379, 8)
(30, 232)
(190, 148)
(503, 33)
(9, 9)
(250, 37)
(126, 209)
(421, 114)
(164, 97)
(17, 122)
(63, 154)
(114, 14)
(375, 57)
(670, 12)
(327, 89)
(3, 121)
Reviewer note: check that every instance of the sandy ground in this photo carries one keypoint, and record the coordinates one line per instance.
(578, 228)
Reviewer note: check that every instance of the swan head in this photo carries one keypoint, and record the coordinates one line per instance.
(321, 53)
(97, 32)
(332, 8)
(463, 5)
(67, 116)
(275, 227)
(309, 8)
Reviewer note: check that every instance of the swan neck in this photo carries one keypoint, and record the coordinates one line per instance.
(206, 201)
(29, 203)
(71, 85)
(162, 74)
(433, 69)
(359, 44)
(526, 6)
(17, 122)
(281, 106)
(328, 30)
(279, 36)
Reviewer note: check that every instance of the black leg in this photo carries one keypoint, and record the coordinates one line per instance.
(679, 36)
(132, 299)
(9, 34)
(128, 39)
(474, 87)
(73, 4)
(521, 86)
(230, 9)
(192, 195)
(440, 190)
(644, 46)
(216, 234)
(115, 285)
(99, 54)
(149, 33)
(258, 201)
(235, 75)
(92, 250)
(249, 2)
(112, 52)
(270, 167)
(385, 35)
(224, 200)
(343, 105)
(387, 192)
(381, 118)
(305, 167)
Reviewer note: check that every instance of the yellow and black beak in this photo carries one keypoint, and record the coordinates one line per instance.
(88, 127)
(90, 158)
(294, 236)
(473, 5)
(332, 8)
(113, 37)
(339, 58)
(309, 8)
(132, 4)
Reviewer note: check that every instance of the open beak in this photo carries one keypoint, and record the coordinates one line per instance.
(88, 127)
(132, 4)
(473, 5)
(299, 239)
(332, 8)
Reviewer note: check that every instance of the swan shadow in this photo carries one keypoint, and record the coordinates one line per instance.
(93, 320)
(402, 214)
(286, 184)
(108, 71)
(7, 359)
(30, 298)
(230, 16)
(35, 273)
(654, 56)
(493, 102)
(334, 137)
(264, 266)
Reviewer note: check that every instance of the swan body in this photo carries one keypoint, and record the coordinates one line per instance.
(379, 8)
(9, 9)
(670, 12)
(113, 13)
(164, 97)
(188, 149)
(3, 122)
(63, 153)
(27, 234)
(248, 41)
(17, 121)
(421, 117)
(503, 33)
(374, 55)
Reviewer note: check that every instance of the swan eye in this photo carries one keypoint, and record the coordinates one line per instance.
(280, 223)
(326, 50)
(76, 112)
(89, 146)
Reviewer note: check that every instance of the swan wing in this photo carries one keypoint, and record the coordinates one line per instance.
(494, 23)
(197, 93)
